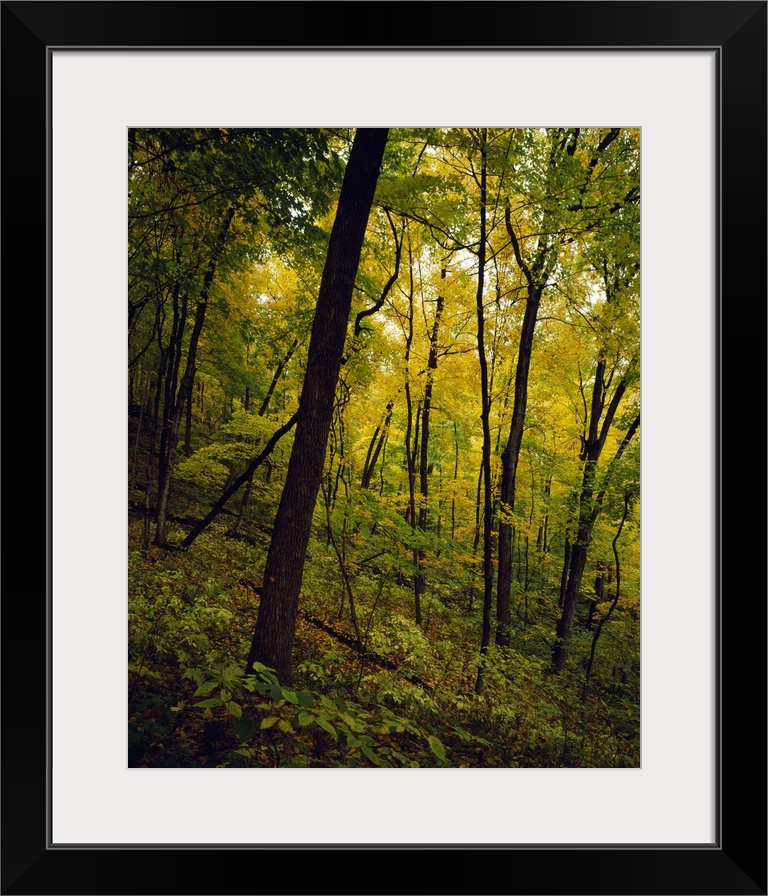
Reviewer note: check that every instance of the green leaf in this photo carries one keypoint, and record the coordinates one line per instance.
(205, 688)
(305, 718)
(260, 667)
(354, 723)
(435, 744)
(268, 722)
(209, 703)
(367, 751)
(234, 708)
(326, 726)
(305, 699)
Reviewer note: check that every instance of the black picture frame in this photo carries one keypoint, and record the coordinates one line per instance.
(736, 862)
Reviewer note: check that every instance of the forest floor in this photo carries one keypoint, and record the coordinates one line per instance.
(406, 700)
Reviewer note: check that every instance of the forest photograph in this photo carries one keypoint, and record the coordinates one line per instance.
(383, 447)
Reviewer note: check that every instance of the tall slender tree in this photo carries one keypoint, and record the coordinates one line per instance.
(176, 406)
(273, 636)
(566, 172)
(485, 414)
(613, 378)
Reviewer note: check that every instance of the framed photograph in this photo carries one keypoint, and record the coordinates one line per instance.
(690, 79)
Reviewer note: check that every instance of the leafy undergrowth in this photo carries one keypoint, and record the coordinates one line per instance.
(409, 702)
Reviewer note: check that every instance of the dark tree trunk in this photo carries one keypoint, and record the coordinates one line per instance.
(599, 596)
(340, 551)
(243, 506)
(628, 497)
(485, 414)
(575, 569)
(536, 277)
(150, 461)
(374, 449)
(135, 453)
(589, 509)
(542, 535)
(185, 386)
(566, 565)
(171, 359)
(455, 481)
(246, 475)
(419, 584)
(411, 447)
(509, 460)
(263, 408)
(188, 423)
(274, 633)
(478, 509)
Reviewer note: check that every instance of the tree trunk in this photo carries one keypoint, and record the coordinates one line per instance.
(264, 407)
(455, 480)
(575, 569)
(374, 449)
(411, 446)
(171, 357)
(419, 585)
(188, 424)
(174, 423)
(418, 581)
(541, 537)
(536, 277)
(600, 575)
(478, 509)
(566, 567)
(274, 633)
(598, 631)
(589, 509)
(485, 414)
(146, 533)
(246, 475)
(185, 387)
(340, 552)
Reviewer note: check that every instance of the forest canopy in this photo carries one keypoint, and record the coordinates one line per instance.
(384, 417)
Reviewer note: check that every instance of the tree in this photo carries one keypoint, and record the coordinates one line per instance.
(175, 407)
(485, 412)
(203, 203)
(273, 637)
(620, 284)
(565, 169)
